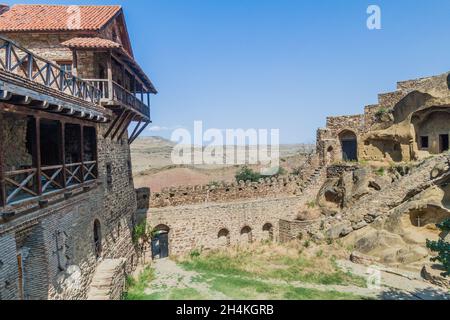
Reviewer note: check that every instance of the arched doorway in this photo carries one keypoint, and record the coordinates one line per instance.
(160, 242)
(224, 238)
(268, 231)
(98, 239)
(349, 144)
(246, 235)
(329, 155)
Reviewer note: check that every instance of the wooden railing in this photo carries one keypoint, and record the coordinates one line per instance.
(120, 94)
(23, 185)
(22, 62)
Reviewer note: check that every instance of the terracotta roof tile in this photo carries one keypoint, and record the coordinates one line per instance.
(91, 43)
(56, 17)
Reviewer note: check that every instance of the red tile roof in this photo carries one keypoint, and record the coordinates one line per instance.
(56, 18)
(91, 43)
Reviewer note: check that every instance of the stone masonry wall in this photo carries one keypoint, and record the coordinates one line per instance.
(197, 226)
(57, 242)
(226, 192)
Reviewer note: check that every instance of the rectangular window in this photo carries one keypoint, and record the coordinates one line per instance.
(130, 171)
(66, 66)
(424, 142)
(109, 180)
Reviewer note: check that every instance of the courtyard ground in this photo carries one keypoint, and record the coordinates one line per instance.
(271, 272)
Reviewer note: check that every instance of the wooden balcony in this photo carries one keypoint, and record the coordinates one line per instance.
(113, 94)
(27, 79)
(31, 184)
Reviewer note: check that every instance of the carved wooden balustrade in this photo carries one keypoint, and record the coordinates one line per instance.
(122, 95)
(23, 185)
(21, 62)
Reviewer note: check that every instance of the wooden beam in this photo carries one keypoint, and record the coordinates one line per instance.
(126, 126)
(121, 124)
(140, 131)
(22, 110)
(37, 154)
(82, 152)
(2, 166)
(111, 127)
(135, 129)
(62, 150)
(74, 63)
(110, 76)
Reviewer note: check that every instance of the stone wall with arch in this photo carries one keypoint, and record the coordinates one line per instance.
(218, 225)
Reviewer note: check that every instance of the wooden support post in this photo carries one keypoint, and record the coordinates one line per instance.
(121, 124)
(2, 166)
(82, 152)
(37, 154)
(139, 132)
(110, 77)
(74, 63)
(135, 130)
(62, 150)
(126, 127)
(8, 56)
(114, 124)
(30, 66)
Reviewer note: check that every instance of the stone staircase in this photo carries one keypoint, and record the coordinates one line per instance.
(312, 179)
(108, 281)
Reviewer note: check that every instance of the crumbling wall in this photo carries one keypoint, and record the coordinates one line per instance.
(269, 187)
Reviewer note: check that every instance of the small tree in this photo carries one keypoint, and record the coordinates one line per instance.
(247, 174)
(442, 248)
(142, 237)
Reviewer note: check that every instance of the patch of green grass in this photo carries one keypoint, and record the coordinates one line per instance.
(172, 294)
(250, 289)
(136, 287)
(311, 294)
(380, 172)
(276, 267)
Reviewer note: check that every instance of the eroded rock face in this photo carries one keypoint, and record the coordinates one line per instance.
(400, 237)
(340, 193)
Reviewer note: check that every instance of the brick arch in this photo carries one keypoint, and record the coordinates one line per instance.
(267, 229)
(223, 237)
(246, 234)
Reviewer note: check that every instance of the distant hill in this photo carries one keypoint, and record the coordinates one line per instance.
(152, 165)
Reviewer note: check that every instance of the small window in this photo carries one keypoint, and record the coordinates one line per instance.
(66, 66)
(109, 175)
(130, 171)
(424, 142)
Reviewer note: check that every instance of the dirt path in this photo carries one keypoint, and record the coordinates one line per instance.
(171, 276)
(393, 286)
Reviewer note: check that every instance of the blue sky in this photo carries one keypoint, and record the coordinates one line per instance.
(284, 64)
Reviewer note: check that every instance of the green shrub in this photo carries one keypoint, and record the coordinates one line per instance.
(247, 174)
(442, 248)
(380, 172)
(195, 253)
(311, 205)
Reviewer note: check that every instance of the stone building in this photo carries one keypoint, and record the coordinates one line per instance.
(69, 90)
(408, 124)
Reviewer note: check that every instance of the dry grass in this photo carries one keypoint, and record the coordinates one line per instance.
(288, 262)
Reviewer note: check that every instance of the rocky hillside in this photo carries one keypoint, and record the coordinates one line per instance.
(386, 213)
